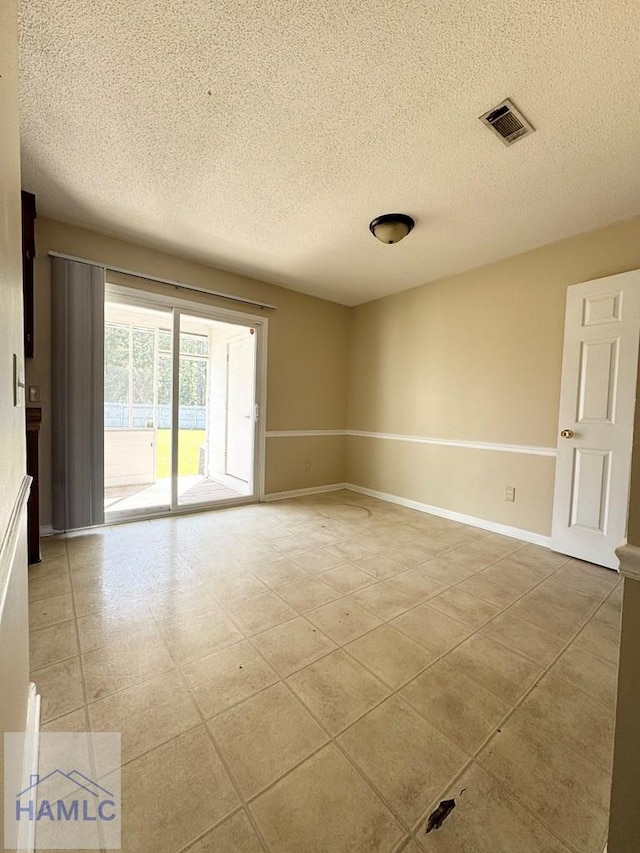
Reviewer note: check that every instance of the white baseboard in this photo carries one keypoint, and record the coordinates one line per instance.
(47, 530)
(26, 837)
(471, 520)
(299, 493)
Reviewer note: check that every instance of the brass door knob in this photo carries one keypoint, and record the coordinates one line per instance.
(566, 433)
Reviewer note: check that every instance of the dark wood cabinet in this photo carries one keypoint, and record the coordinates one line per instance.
(28, 257)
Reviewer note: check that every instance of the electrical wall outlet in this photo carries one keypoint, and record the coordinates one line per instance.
(510, 494)
(307, 465)
(34, 393)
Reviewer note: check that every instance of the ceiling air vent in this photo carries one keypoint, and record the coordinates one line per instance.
(507, 122)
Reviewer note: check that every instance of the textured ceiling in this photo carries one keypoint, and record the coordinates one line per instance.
(261, 137)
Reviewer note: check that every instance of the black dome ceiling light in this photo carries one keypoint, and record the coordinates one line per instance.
(391, 227)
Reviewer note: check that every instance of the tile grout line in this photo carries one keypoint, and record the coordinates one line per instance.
(512, 711)
(283, 679)
(217, 750)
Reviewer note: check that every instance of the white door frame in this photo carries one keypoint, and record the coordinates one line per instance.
(134, 296)
(590, 520)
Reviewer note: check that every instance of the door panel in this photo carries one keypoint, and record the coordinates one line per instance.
(597, 408)
(240, 421)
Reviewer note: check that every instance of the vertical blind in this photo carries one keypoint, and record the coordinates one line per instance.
(77, 367)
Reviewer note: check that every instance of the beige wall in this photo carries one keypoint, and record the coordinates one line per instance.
(286, 457)
(474, 357)
(14, 645)
(624, 826)
(12, 466)
(308, 348)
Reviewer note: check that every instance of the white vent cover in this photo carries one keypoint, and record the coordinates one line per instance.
(507, 122)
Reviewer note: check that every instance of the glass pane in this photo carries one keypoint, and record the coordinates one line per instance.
(137, 409)
(215, 416)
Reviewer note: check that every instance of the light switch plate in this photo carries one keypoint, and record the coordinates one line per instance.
(18, 381)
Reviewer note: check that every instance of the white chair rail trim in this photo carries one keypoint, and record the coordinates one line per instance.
(527, 449)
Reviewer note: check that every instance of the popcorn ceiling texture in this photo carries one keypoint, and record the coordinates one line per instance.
(262, 137)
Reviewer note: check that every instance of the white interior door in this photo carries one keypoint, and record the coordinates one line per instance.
(597, 407)
(240, 405)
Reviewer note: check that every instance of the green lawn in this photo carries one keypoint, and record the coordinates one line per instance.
(189, 443)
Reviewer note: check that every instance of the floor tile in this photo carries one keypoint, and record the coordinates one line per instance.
(53, 644)
(417, 585)
(343, 620)
(320, 560)
(228, 676)
(534, 643)
(199, 635)
(350, 551)
(146, 714)
(259, 612)
(123, 664)
(499, 584)
(585, 724)
(494, 546)
(183, 778)
(586, 577)
(324, 806)
(383, 600)
(540, 609)
(601, 638)
(597, 677)
(235, 835)
(265, 736)
(52, 546)
(87, 601)
(178, 605)
(500, 670)
(548, 615)
(280, 572)
(459, 537)
(293, 645)
(74, 721)
(226, 587)
(432, 629)
(346, 579)
(112, 624)
(94, 577)
(561, 786)
(60, 688)
(538, 556)
(54, 565)
(455, 566)
(48, 586)
(581, 603)
(390, 655)
(411, 761)
(461, 709)
(338, 690)
(415, 553)
(467, 608)
(307, 594)
(487, 819)
(49, 611)
(380, 566)
(611, 611)
(200, 617)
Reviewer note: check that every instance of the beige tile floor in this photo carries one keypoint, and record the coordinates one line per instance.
(315, 675)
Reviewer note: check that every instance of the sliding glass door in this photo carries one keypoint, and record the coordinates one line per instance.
(181, 411)
(214, 420)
